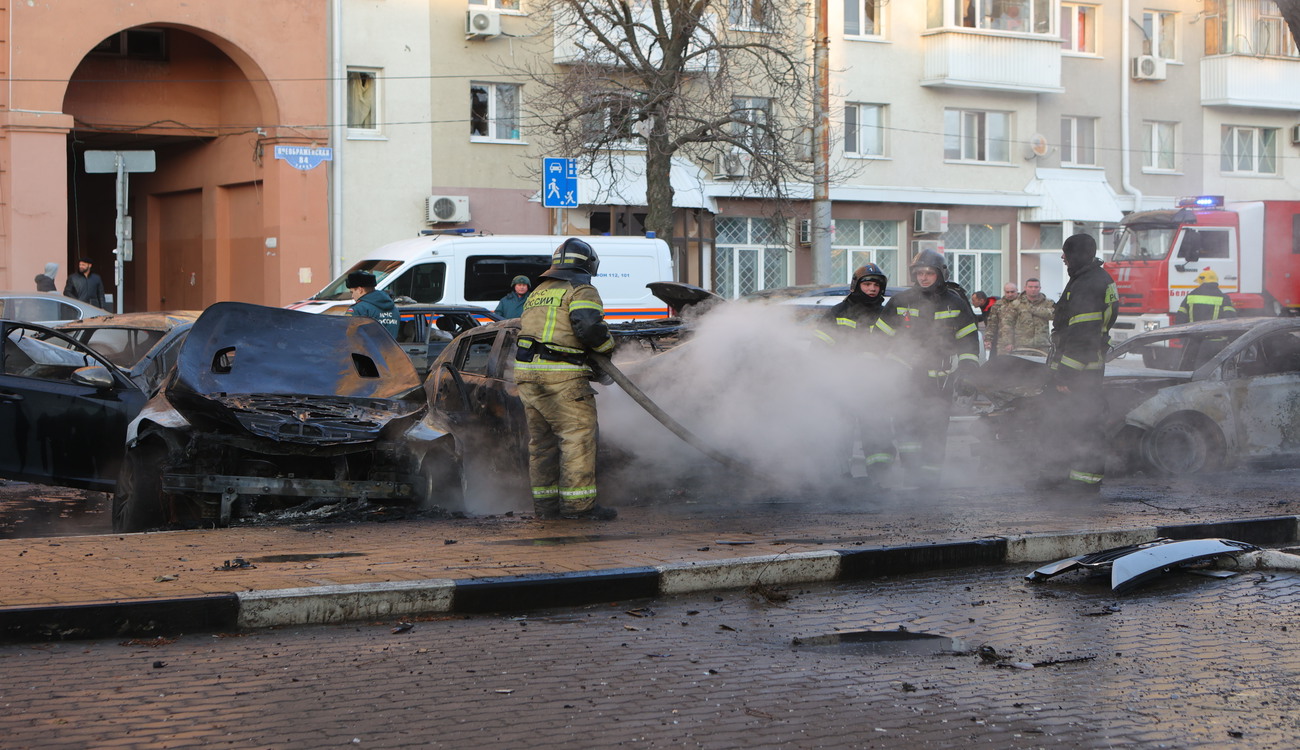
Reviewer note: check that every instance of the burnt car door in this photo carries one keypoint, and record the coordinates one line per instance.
(482, 402)
(63, 409)
(1263, 382)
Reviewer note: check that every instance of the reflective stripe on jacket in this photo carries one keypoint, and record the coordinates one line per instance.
(558, 315)
(1081, 325)
(1206, 302)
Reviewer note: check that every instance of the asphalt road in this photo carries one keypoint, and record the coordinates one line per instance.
(1184, 662)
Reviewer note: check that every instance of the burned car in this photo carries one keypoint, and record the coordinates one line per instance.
(425, 330)
(68, 393)
(267, 407)
(1180, 400)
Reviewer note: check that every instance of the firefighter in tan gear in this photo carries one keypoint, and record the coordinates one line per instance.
(563, 320)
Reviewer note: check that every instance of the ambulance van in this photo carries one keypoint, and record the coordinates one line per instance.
(476, 269)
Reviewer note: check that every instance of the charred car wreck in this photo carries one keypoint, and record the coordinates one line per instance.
(268, 407)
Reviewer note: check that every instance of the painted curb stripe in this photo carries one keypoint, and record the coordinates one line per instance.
(319, 605)
(513, 593)
(135, 619)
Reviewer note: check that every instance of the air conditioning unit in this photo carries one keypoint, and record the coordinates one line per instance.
(921, 245)
(1295, 135)
(805, 231)
(1149, 68)
(482, 24)
(731, 166)
(930, 221)
(447, 209)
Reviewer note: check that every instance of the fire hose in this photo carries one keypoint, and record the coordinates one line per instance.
(639, 396)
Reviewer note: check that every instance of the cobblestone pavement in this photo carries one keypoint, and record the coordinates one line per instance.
(1184, 662)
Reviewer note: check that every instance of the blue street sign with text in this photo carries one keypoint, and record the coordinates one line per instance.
(559, 183)
(304, 157)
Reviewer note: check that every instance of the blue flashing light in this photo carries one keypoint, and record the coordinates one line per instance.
(432, 232)
(1201, 201)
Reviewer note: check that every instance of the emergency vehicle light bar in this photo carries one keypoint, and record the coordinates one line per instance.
(1201, 201)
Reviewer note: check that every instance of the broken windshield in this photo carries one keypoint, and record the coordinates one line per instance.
(1144, 243)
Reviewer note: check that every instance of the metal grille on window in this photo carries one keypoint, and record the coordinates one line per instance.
(984, 237)
(839, 264)
(723, 272)
(880, 233)
(887, 259)
(774, 267)
(848, 232)
(990, 276)
(732, 230)
(766, 232)
(964, 271)
(746, 270)
(1049, 236)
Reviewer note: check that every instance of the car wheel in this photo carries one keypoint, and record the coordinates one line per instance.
(442, 481)
(138, 502)
(1183, 444)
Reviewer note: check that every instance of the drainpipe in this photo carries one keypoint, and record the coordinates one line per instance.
(338, 124)
(1125, 133)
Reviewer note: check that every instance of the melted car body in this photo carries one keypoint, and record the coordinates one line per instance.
(269, 406)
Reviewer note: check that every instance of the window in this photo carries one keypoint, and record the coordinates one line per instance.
(497, 4)
(1021, 16)
(753, 115)
(974, 253)
(1159, 31)
(1248, 150)
(424, 283)
(863, 17)
(494, 112)
(1248, 27)
(859, 241)
(1158, 146)
(363, 102)
(1079, 141)
(749, 15)
(1079, 27)
(974, 135)
(750, 254)
(864, 129)
(487, 277)
(618, 121)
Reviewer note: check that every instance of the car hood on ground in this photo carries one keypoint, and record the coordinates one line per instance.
(149, 321)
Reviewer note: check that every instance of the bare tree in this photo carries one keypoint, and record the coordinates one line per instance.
(1290, 10)
(693, 78)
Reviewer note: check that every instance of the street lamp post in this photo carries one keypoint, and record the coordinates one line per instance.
(821, 150)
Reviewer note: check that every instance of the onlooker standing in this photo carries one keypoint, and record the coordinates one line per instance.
(1080, 340)
(45, 281)
(1205, 302)
(512, 305)
(1031, 313)
(997, 337)
(369, 302)
(85, 284)
(981, 303)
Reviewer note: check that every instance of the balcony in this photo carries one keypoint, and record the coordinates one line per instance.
(1248, 81)
(992, 60)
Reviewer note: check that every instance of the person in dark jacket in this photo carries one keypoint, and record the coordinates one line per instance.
(85, 284)
(1080, 340)
(45, 281)
(1205, 302)
(934, 335)
(512, 305)
(852, 324)
(372, 303)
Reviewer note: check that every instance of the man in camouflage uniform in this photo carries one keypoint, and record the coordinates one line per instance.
(563, 320)
(997, 334)
(1028, 318)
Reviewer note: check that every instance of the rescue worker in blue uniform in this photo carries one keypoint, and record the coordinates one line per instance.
(372, 303)
(851, 324)
(1080, 341)
(1205, 302)
(934, 334)
(563, 320)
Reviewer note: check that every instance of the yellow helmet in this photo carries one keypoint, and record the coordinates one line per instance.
(1208, 276)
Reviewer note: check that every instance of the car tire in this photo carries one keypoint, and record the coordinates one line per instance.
(1183, 444)
(138, 501)
(442, 479)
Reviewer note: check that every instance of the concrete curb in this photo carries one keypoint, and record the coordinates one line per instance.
(336, 604)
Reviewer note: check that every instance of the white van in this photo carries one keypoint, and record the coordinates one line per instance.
(458, 269)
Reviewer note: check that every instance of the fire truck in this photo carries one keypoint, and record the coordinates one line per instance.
(1254, 247)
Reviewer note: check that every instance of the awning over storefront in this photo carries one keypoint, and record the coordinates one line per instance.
(1072, 195)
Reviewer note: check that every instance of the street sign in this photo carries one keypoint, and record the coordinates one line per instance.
(303, 157)
(559, 183)
(98, 162)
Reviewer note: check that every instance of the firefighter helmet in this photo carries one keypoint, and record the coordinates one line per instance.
(930, 259)
(1208, 276)
(870, 272)
(573, 257)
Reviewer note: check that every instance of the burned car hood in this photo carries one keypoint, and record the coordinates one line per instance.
(681, 296)
(293, 376)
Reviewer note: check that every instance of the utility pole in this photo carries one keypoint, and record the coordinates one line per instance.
(821, 150)
(120, 163)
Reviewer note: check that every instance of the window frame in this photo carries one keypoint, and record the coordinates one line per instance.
(1153, 40)
(982, 144)
(863, 10)
(1073, 143)
(602, 127)
(856, 132)
(1259, 134)
(1070, 13)
(757, 139)
(376, 102)
(492, 118)
(949, 14)
(741, 15)
(1150, 150)
(505, 6)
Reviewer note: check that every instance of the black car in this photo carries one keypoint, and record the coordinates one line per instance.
(67, 394)
(425, 330)
(270, 407)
